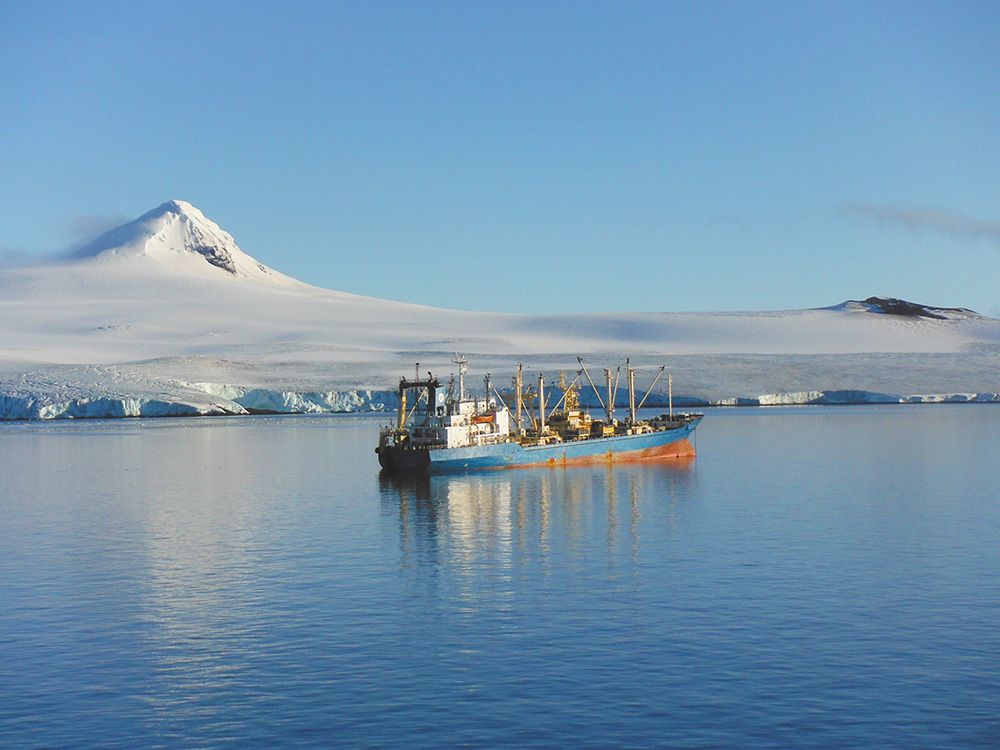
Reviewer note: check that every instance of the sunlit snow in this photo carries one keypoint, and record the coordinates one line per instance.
(166, 315)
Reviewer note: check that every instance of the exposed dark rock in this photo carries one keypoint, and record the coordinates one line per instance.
(217, 256)
(894, 306)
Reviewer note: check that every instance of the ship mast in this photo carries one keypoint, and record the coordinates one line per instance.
(583, 369)
(518, 385)
(631, 391)
(401, 417)
(463, 367)
(610, 408)
(651, 386)
(541, 404)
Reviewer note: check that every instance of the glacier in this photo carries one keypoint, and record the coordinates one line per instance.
(235, 400)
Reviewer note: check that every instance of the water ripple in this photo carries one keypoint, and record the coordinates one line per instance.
(813, 579)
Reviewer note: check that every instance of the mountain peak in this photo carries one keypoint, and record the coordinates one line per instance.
(174, 207)
(177, 206)
(177, 235)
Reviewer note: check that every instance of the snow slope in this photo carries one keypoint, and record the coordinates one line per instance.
(169, 312)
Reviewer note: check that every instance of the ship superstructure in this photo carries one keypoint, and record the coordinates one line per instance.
(445, 429)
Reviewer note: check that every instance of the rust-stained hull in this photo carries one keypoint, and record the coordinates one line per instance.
(652, 446)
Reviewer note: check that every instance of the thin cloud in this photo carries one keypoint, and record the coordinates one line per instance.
(84, 229)
(80, 229)
(947, 223)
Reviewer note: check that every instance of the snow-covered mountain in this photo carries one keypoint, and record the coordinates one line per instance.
(168, 310)
(179, 238)
(178, 235)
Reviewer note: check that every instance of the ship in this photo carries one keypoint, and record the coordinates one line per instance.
(442, 429)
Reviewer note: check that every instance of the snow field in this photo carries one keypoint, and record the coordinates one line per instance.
(166, 315)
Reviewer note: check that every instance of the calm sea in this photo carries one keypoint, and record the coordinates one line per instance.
(815, 578)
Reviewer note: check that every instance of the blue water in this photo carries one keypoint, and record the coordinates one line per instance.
(815, 578)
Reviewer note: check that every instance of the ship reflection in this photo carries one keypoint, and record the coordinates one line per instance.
(507, 518)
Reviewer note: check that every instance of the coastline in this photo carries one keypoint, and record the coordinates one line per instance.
(257, 401)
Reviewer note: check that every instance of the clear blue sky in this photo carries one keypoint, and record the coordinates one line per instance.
(550, 157)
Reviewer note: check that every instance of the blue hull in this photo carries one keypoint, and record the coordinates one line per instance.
(652, 445)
